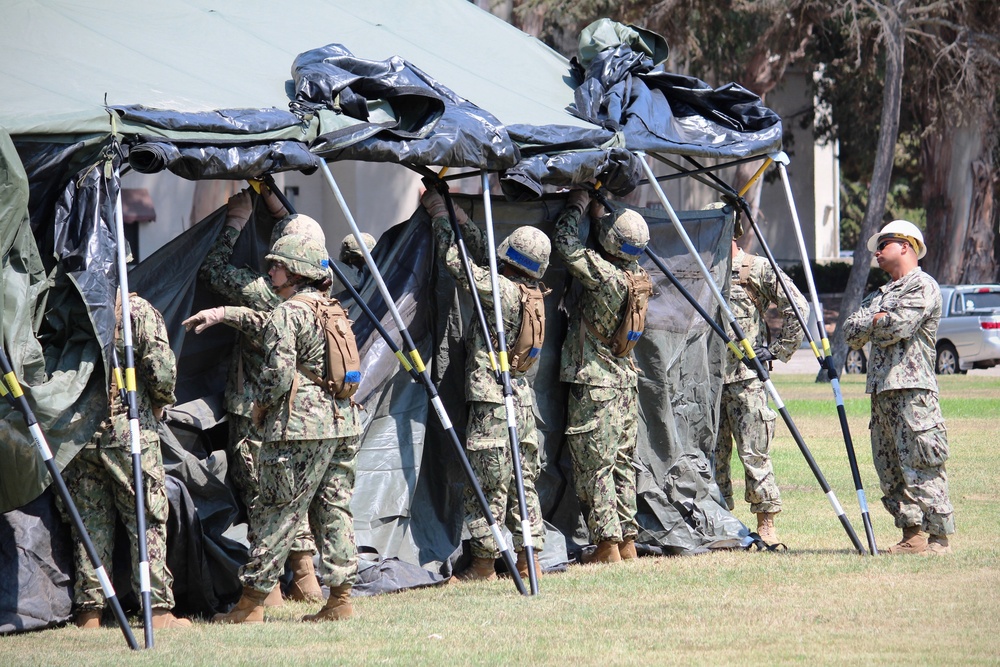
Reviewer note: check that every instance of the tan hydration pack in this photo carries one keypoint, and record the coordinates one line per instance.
(528, 345)
(633, 318)
(343, 363)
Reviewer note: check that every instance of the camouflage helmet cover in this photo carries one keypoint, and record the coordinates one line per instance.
(626, 236)
(299, 224)
(349, 246)
(302, 255)
(527, 249)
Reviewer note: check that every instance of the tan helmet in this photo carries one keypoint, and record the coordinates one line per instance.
(302, 255)
(627, 235)
(527, 249)
(299, 224)
(900, 229)
(350, 251)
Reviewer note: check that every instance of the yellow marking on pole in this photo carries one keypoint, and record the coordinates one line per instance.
(418, 363)
(748, 348)
(3, 388)
(504, 366)
(129, 379)
(442, 172)
(735, 350)
(826, 346)
(493, 361)
(814, 348)
(15, 387)
(753, 179)
(118, 378)
(402, 360)
(256, 184)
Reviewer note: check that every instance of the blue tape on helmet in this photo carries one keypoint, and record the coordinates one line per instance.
(523, 260)
(630, 249)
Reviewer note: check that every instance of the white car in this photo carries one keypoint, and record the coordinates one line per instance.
(968, 335)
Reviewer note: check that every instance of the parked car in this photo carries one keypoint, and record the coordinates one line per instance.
(968, 335)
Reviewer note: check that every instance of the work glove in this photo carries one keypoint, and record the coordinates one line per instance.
(238, 210)
(436, 207)
(597, 210)
(764, 354)
(578, 199)
(274, 205)
(204, 319)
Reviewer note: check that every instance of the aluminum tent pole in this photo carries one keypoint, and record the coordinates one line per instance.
(10, 388)
(508, 390)
(133, 415)
(826, 358)
(752, 357)
(428, 384)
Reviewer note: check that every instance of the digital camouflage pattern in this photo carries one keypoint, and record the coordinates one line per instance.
(99, 478)
(305, 481)
(307, 460)
(903, 342)
(743, 412)
(909, 440)
(909, 450)
(585, 359)
(746, 418)
(250, 290)
(487, 437)
(749, 302)
(489, 455)
(602, 424)
(603, 415)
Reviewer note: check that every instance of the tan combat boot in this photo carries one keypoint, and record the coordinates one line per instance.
(274, 598)
(937, 545)
(305, 586)
(626, 549)
(163, 619)
(88, 619)
(337, 607)
(481, 569)
(765, 527)
(913, 542)
(250, 608)
(522, 565)
(607, 552)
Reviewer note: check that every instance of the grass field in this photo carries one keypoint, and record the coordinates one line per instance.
(818, 603)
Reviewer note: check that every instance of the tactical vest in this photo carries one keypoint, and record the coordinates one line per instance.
(633, 318)
(343, 363)
(528, 345)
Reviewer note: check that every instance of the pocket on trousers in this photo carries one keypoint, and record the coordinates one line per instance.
(931, 448)
(275, 480)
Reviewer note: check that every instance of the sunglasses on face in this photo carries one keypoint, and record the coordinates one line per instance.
(881, 246)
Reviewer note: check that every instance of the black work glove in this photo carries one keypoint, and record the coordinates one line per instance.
(764, 354)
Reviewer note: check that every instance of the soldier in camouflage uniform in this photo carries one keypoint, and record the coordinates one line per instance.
(352, 257)
(247, 287)
(310, 441)
(100, 479)
(603, 413)
(909, 440)
(524, 256)
(744, 413)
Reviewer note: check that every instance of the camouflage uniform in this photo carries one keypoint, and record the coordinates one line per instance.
(487, 438)
(909, 440)
(248, 288)
(100, 480)
(743, 412)
(306, 464)
(603, 416)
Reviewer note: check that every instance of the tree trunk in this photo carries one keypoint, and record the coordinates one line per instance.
(958, 198)
(881, 177)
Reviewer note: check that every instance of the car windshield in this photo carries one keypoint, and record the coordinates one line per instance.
(981, 300)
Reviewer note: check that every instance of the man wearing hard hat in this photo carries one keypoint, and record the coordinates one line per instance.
(909, 440)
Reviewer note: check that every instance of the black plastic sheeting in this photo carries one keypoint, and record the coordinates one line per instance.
(429, 124)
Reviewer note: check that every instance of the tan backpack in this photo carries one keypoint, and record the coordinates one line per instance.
(528, 345)
(343, 363)
(633, 318)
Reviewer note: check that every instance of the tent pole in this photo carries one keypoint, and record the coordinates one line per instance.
(827, 357)
(823, 357)
(133, 414)
(754, 360)
(508, 390)
(432, 392)
(10, 388)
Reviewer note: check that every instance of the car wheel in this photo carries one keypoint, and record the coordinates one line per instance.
(855, 363)
(947, 360)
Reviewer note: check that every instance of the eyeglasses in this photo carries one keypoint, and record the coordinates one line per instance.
(881, 246)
